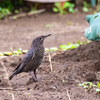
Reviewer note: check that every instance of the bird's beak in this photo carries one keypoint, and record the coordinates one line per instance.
(47, 35)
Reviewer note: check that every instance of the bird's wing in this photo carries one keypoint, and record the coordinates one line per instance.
(29, 55)
(17, 67)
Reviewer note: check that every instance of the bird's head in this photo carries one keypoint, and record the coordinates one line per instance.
(39, 40)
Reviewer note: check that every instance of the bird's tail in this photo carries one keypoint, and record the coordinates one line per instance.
(15, 73)
(11, 76)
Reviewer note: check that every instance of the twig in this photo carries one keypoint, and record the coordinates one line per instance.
(19, 89)
(6, 88)
(36, 12)
(50, 62)
(68, 95)
(13, 89)
(13, 98)
(26, 14)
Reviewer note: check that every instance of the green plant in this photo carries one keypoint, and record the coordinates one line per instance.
(48, 25)
(98, 5)
(7, 6)
(87, 85)
(69, 23)
(34, 8)
(71, 46)
(19, 51)
(16, 11)
(63, 81)
(62, 9)
(68, 46)
(1, 54)
(98, 89)
(86, 6)
(4, 12)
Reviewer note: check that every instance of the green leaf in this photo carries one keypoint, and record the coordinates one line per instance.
(0, 8)
(71, 46)
(63, 81)
(53, 49)
(57, 4)
(80, 84)
(66, 4)
(61, 10)
(85, 9)
(98, 84)
(96, 16)
(64, 12)
(16, 11)
(14, 17)
(98, 90)
(72, 5)
(85, 87)
(49, 25)
(19, 50)
(11, 49)
(8, 12)
(78, 42)
(10, 7)
(85, 4)
(98, 7)
(71, 10)
(94, 85)
(55, 9)
(1, 54)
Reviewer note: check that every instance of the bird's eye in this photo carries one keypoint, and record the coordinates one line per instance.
(40, 38)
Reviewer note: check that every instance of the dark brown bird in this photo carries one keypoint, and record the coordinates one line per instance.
(32, 59)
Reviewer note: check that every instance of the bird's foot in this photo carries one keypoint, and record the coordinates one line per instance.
(31, 80)
(35, 79)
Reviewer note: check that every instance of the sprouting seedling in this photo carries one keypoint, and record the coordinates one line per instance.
(98, 85)
(71, 46)
(1, 54)
(84, 86)
(34, 8)
(11, 49)
(62, 9)
(53, 49)
(49, 25)
(86, 6)
(19, 51)
(87, 85)
(63, 82)
(98, 89)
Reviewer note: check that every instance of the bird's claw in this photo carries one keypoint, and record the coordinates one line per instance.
(35, 79)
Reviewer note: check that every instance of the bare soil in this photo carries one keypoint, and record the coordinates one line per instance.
(70, 67)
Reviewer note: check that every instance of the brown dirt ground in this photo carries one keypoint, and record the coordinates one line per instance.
(74, 66)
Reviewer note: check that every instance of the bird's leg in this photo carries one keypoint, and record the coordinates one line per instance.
(34, 78)
(35, 75)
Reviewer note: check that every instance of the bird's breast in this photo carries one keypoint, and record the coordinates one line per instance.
(39, 53)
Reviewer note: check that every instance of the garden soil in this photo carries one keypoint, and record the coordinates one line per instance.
(69, 68)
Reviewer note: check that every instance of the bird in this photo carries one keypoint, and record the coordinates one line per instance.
(32, 58)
